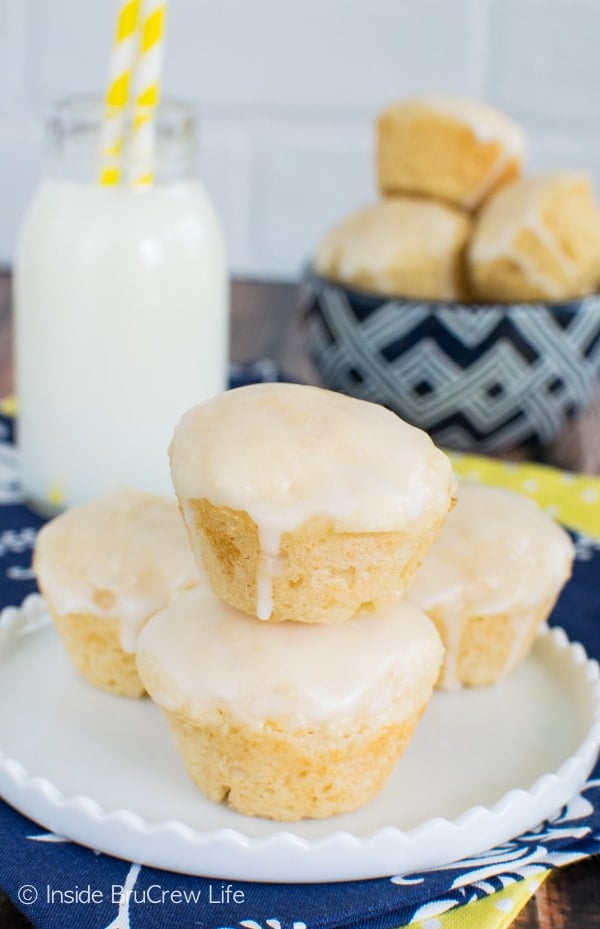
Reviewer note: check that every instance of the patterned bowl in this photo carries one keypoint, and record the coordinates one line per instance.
(477, 377)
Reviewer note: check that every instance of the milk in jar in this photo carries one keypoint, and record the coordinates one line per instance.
(121, 314)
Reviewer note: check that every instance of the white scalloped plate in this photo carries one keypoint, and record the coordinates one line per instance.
(484, 766)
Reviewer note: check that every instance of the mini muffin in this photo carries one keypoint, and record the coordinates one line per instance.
(490, 580)
(303, 504)
(104, 568)
(288, 720)
(537, 239)
(402, 246)
(447, 147)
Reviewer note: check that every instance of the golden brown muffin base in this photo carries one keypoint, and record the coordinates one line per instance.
(322, 576)
(93, 645)
(486, 650)
(435, 156)
(288, 776)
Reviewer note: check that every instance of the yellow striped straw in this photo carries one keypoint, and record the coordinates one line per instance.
(117, 93)
(147, 90)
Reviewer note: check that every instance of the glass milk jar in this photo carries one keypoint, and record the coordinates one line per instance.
(121, 301)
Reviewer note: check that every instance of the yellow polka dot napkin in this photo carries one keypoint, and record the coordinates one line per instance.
(573, 499)
(497, 911)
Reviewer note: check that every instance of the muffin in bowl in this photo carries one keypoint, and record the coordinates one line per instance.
(405, 245)
(466, 298)
(537, 239)
(449, 148)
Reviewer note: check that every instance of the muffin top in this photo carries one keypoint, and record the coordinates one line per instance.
(522, 204)
(284, 453)
(402, 246)
(199, 656)
(120, 556)
(498, 552)
(546, 230)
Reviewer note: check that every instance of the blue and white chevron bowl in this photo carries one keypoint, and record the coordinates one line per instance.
(477, 377)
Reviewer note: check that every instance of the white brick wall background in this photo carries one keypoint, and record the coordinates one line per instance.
(288, 91)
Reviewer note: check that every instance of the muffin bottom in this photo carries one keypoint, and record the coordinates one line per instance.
(284, 775)
(93, 645)
(488, 648)
(319, 576)
(432, 154)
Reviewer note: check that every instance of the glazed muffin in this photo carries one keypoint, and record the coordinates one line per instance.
(457, 150)
(288, 720)
(537, 239)
(104, 568)
(303, 504)
(489, 582)
(402, 246)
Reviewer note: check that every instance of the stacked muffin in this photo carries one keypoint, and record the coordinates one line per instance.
(293, 680)
(293, 686)
(457, 221)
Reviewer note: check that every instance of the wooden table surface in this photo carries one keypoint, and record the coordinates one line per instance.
(263, 325)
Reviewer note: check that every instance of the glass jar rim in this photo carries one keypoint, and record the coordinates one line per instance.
(86, 139)
(173, 115)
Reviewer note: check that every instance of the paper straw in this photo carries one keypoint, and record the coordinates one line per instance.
(117, 92)
(147, 90)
